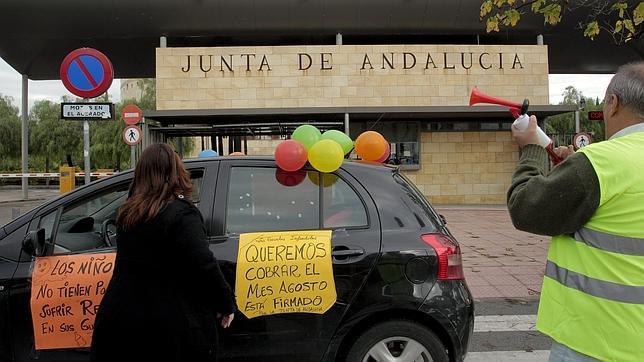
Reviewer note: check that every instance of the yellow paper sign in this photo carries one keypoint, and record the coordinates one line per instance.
(285, 272)
(65, 294)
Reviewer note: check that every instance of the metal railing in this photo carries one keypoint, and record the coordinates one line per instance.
(561, 139)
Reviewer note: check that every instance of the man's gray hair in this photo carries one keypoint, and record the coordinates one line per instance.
(628, 86)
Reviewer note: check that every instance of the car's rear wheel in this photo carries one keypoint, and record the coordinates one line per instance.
(400, 341)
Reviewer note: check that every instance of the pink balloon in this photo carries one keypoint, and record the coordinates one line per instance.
(290, 155)
(385, 156)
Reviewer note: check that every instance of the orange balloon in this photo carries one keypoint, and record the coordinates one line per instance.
(371, 145)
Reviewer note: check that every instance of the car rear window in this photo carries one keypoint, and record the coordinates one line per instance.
(418, 199)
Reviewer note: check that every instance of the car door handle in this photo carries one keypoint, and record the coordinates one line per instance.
(346, 252)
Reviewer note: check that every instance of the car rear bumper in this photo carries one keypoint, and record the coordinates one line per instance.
(450, 304)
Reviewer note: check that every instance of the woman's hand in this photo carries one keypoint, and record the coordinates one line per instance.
(226, 320)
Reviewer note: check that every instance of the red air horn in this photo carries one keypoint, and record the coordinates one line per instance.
(519, 112)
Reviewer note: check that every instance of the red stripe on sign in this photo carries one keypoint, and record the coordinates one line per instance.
(83, 68)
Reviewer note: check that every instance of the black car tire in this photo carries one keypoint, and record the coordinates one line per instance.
(402, 329)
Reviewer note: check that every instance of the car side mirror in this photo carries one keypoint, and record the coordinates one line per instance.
(443, 219)
(34, 242)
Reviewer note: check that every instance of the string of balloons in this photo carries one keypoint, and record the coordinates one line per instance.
(325, 151)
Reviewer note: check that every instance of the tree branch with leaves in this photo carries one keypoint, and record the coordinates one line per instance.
(622, 20)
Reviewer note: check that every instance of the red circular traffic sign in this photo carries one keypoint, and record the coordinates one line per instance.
(131, 114)
(132, 135)
(86, 72)
(581, 139)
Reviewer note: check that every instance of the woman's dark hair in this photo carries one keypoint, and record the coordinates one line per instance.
(159, 178)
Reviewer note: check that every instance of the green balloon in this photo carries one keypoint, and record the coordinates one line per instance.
(341, 138)
(307, 135)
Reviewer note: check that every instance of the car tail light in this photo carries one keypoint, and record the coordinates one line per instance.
(450, 265)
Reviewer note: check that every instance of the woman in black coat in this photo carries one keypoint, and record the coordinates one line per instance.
(167, 291)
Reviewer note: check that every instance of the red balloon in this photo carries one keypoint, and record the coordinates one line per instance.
(385, 156)
(290, 155)
(290, 179)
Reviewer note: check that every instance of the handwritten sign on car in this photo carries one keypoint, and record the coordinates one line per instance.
(66, 291)
(285, 272)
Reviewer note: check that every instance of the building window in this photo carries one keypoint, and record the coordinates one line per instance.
(403, 137)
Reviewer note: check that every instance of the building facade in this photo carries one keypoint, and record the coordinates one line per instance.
(417, 96)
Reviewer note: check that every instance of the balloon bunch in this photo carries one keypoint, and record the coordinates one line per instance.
(326, 151)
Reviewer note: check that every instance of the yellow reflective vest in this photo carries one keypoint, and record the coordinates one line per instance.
(592, 299)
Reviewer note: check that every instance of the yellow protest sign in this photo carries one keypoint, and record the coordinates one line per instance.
(285, 272)
(65, 294)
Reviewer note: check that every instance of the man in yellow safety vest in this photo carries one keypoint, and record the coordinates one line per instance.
(592, 299)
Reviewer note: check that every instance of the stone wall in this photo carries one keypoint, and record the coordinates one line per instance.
(441, 75)
(466, 167)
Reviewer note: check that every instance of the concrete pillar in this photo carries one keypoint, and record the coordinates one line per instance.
(25, 136)
(346, 123)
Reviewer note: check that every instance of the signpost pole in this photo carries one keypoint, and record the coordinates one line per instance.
(86, 150)
(132, 156)
(25, 136)
(90, 66)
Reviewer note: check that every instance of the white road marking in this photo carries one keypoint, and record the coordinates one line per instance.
(504, 323)
(509, 356)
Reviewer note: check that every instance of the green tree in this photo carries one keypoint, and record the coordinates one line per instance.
(564, 124)
(621, 19)
(52, 139)
(148, 94)
(10, 129)
(148, 102)
(107, 147)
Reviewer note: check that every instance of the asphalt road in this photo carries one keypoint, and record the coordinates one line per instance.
(11, 209)
(504, 330)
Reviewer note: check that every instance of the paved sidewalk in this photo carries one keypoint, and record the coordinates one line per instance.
(499, 261)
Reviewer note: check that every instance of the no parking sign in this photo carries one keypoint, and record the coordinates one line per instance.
(86, 72)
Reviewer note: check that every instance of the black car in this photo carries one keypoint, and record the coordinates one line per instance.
(397, 269)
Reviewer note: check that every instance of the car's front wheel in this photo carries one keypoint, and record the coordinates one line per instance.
(400, 341)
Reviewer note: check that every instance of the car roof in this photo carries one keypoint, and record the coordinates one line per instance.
(357, 165)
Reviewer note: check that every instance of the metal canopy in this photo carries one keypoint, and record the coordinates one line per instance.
(282, 121)
(37, 34)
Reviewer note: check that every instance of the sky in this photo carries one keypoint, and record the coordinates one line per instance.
(11, 82)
